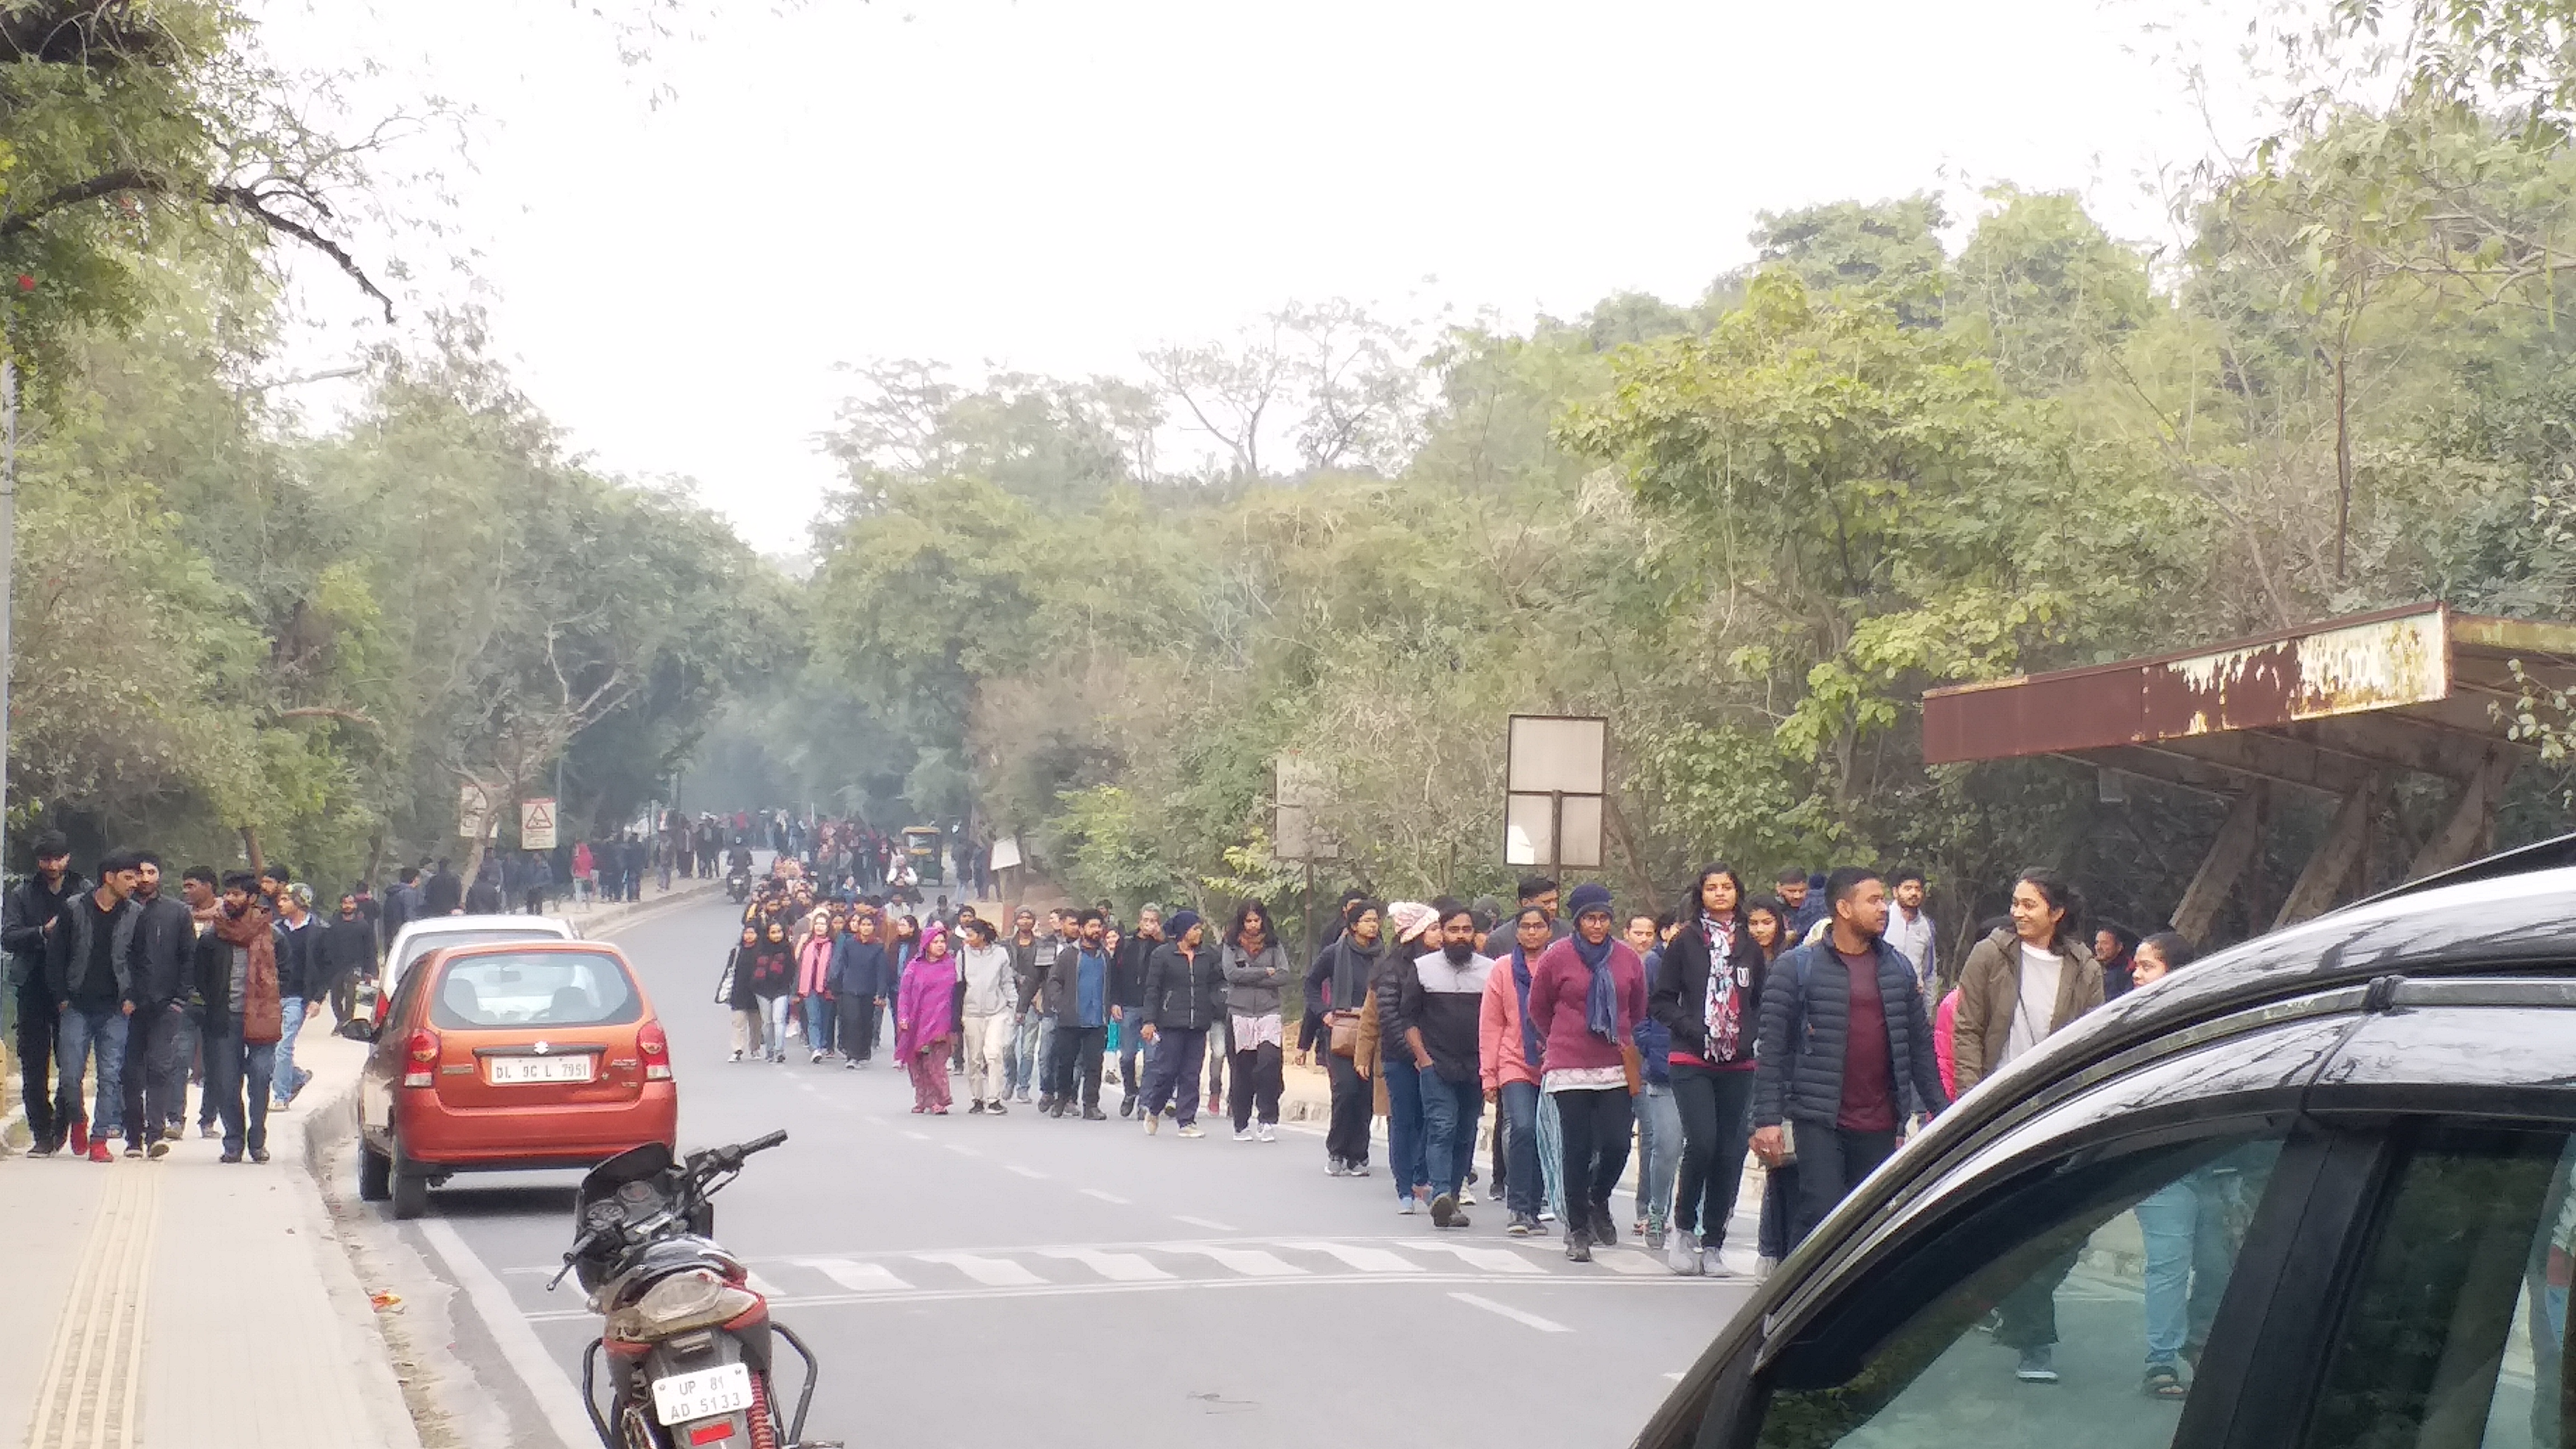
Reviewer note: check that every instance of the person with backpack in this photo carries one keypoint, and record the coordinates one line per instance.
(1845, 1051)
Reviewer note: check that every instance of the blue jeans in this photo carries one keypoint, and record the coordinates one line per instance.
(1551, 1154)
(1172, 1072)
(1523, 1187)
(818, 1023)
(1020, 1067)
(2165, 1219)
(238, 1074)
(77, 1033)
(1659, 1139)
(1404, 1123)
(288, 1078)
(1450, 1112)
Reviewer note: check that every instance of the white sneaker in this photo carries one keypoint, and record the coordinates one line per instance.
(1406, 1207)
(1681, 1254)
(1191, 1131)
(1466, 1197)
(1713, 1265)
(1153, 1124)
(816, 1057)
(1243, 1134)
(1266, 1133)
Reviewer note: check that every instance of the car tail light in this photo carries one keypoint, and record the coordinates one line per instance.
(423, 1049)
(656, 1050)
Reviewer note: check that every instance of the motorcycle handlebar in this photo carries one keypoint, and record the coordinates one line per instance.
(763, 1144)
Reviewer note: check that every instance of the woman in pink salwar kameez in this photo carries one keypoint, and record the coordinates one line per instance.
(923, 1006)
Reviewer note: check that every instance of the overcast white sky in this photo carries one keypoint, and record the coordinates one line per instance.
(676, 255)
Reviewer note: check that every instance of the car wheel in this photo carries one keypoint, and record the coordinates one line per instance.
(410, 1188)
(375, 1174)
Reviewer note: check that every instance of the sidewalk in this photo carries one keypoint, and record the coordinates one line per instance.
(190, 1304)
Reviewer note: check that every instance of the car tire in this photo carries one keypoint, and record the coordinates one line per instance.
(375, 1174)
(410, 1188)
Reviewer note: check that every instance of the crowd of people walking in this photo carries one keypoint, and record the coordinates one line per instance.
(1803, 1031)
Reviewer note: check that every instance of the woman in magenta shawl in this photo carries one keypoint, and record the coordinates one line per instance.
(921, 1018)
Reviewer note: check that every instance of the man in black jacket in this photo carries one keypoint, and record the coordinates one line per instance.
(1030, 958)
(1127, 1001)
(1184, 991)
(443, 894)
(348, 954)
(299, 987)
(89, 970)
(156, 1072)
(24, 915)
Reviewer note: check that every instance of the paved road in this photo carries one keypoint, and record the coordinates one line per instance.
(1077, 1283)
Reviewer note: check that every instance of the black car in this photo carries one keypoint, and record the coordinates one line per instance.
(2322, 1177)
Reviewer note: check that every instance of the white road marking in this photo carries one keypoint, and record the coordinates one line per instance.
(1116, 1267)
(1492, 1260)
(915, 1136)
(1532, 1320)
(1210, 1224)
(762, 1286)
(1250, 1262)
(1027, 1171)
(963, 1150)
(1633, 1263)
(856, 1276)
(1108, 1197)
(991, 1272)
(1367, 1260)
(1673, 1377)
(1190, 1285)
(547, 1383)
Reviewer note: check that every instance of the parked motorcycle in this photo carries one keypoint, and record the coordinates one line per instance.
(687, 1341)
(738, 884)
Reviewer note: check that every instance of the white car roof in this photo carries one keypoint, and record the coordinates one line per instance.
(425, 932)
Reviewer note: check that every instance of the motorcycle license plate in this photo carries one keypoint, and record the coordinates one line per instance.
(702, 1395)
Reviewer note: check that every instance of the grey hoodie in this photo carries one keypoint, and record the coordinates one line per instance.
(1252, 982)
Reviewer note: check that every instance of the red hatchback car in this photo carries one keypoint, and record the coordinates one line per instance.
(510, 1054)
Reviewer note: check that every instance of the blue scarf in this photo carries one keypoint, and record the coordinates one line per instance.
(1601, 999)
(1533, 1044)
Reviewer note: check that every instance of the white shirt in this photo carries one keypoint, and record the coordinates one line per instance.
(2031, 1015)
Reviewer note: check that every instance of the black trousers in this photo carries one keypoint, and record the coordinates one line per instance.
(1348, 1136)
(156, 1076)
(36, 1061)
(1256, 1085)
(1831, 1162)
(2028, 1314)
(858, 1025)
(343, 993)
(1715, 1108)
(1598, 1123)
(1078, 1051)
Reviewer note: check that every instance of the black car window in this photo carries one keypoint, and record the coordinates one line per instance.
(2456, 1333)
(2114, 1266)
(533, 989)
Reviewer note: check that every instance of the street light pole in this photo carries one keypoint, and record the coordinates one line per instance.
(8, 548)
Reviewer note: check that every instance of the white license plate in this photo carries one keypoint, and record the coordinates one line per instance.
(517, 1071)
(702, 1395)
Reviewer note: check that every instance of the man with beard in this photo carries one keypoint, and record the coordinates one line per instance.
(156, 1073)
(29, 912)
(197, 888)
(1441, 1000)
(1127, 1001)
(1080, 986)
(348, 955)
(236, 966)
(89, 969)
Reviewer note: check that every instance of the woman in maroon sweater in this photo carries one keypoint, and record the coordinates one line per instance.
(1587, 994)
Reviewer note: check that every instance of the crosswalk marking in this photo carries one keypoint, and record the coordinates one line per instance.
(1116, 1267)
(762, 1286)
(1250, 1262)
(1107, 1197)
(1492, 1260)
(1367, 1260)
(1028, 1172)
(991, 1272)
(856, 1276)
(1628, 1261)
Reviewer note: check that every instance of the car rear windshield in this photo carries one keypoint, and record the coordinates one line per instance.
(532, 989)
(428, 941)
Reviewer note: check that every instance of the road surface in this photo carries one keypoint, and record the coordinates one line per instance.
(1076, 1284)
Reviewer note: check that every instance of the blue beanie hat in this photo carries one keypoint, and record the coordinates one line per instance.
(1588, 897)
(1179, 925)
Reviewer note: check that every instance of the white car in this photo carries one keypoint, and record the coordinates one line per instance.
(418, 938)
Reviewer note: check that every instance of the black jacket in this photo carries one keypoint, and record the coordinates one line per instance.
(67, 948)
(347, 947)
(1031, 965)
(1127, 971)
(1806, 1031)
(210, 968)
(1064, 986)
(484, 899)
(1678, 995)
(1183, 993)
(165, 942)
(300, 972)
(441, 894)
(23, 913)
(1338, 978)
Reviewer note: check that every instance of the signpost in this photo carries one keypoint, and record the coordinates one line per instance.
(1303, 788)
(536, 825)
(473, 812)
(1006, 856)
(1555, 777)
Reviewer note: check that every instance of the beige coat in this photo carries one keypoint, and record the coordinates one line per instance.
(1990, 994)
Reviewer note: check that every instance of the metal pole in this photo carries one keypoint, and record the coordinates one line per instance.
(1555, 835)
(8, 549)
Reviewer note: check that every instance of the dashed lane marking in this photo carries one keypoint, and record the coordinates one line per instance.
(1116, 1267)
(917, 1136)
(1210, 1224)
(991, 1272)
(1532, 1320)
(963, 1150)
(1028, 1172)
(1107, 1197)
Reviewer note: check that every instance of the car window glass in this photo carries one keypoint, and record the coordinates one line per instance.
(2457, 1331)
(2069, 1313)
(404, 994)
(533, 989)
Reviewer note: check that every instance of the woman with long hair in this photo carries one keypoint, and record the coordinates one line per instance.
(1255, 967)
(773, 982)
(1508, 1056)
(921, 1026)
(813, 974)
(1708, 994)
(738, 997)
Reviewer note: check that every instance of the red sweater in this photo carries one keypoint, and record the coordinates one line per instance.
(1558, 981)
